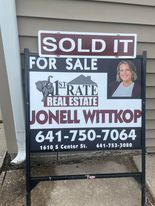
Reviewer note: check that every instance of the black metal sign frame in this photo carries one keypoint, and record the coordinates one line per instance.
(31, 181)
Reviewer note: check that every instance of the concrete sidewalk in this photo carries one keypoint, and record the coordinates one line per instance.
(94, 192)
(2, 143)
(150, 173)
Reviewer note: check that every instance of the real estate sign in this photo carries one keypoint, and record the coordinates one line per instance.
(79, 98)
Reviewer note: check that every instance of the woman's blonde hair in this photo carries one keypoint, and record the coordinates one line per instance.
(132, 69)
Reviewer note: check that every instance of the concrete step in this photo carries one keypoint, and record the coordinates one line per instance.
(94, 192)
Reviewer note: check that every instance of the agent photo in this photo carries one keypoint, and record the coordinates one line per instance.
(126, 84)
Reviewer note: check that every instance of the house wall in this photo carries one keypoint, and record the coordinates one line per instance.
(117, 16)
(7, 138)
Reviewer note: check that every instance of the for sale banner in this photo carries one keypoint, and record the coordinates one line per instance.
(84, 103)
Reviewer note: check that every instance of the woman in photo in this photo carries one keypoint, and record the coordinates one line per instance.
(125, 85)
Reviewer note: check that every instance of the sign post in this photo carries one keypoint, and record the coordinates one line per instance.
(84, 92)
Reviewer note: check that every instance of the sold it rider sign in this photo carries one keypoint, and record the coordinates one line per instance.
(102, 45)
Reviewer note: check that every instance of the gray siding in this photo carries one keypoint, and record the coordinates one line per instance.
(124, 16)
